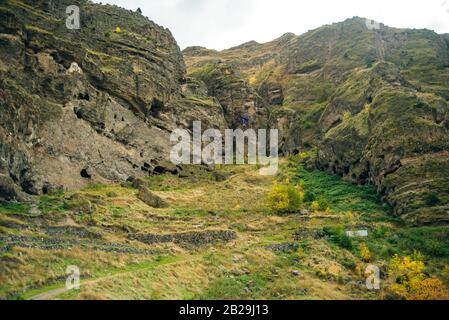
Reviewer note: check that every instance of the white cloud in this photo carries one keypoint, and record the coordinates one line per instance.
(220, 24)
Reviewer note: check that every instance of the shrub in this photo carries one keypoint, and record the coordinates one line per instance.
(309, 196)
(446, 271)
(430, 289)
(337, 235)
(432, 199)
(284, 199)
(408, 280)
(380, 232)
(315, 206)
(435, 248)
(323, 204)
(347, 116)
(349, 217)
(365, 253)
(345, 242)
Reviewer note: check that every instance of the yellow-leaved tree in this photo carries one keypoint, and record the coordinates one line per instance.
(347, 116)
(285, 199)
(315, 206)
(408, 280)
(365, 253)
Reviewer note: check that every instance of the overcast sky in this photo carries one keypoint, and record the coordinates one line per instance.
(220, 24)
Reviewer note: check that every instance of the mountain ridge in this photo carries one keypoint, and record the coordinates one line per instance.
(311, 84)
(289, 35)
(87, 186)
(101, 102)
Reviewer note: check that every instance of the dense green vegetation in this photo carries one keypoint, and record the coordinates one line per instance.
(279, 253)
(340, 195)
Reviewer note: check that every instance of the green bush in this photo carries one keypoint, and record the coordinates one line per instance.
(284, 199)
(337, 235)
(309, 196)
(432, 199)
(324, 204)
(380, 232)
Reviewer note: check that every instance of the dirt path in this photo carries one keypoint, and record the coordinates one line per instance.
(51, 294)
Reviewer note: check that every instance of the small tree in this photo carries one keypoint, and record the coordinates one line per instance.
(365, 253)
(324, 204)
(408, 280)
(309, 196)
(432, 199)
(347, 116)
(349, 217)
(315, 206)
(284, 199)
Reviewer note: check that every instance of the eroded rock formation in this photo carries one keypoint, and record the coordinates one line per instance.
(96, 104)
(371, 104)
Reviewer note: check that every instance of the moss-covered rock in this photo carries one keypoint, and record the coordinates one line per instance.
(150, 198)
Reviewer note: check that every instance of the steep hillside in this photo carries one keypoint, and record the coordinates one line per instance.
(372, 103)
(215, 239)
(85, 121)
(90, 105)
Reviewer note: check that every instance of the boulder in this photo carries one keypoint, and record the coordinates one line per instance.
(150, 198)
(166, 167)
(8, 190)
(139, 183)
(74, 68)
(79, 204)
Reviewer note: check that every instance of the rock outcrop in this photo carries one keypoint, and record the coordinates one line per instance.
(373, 104)
(150, 198)
(232, 92)
(96, 104)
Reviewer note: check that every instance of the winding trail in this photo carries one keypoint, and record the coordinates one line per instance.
(53, 293)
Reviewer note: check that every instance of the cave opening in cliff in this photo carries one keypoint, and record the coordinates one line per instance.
(156, 107)
(85, 174)
(84, 96)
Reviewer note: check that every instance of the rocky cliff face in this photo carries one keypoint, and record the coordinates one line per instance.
(371, 103)
(232, 92)
(90, 105)
(98, 104)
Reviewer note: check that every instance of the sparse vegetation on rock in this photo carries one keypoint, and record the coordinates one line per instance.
(372, 103)
(85, 180)
(150, 198)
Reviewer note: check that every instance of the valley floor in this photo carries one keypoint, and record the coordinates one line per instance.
(217, 239)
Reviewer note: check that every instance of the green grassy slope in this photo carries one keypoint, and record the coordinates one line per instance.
(273, 256)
